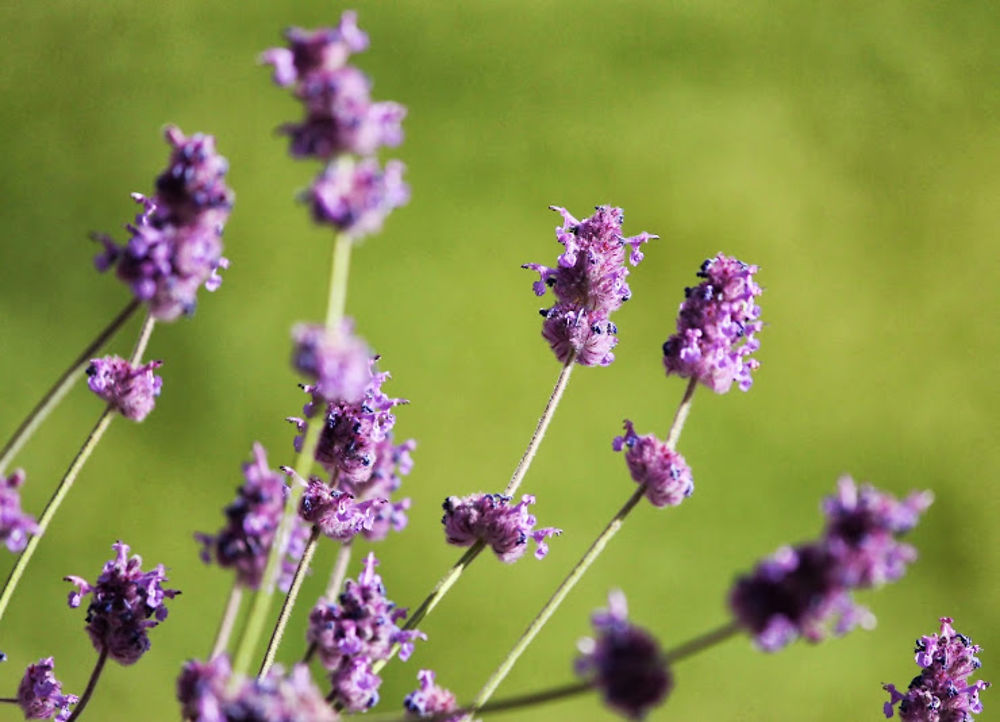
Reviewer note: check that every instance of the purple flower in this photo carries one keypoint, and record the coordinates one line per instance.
(201, 689)
(941, 692)
(15, 525)
(430, 699)
(176, 240)
(335, 512)
(356, 196)
(40, 694)
(126, 602)
(355, 686)
(717, 326)
(624, 662)
(317, 51)
(392, 461)
(491, 519)
(298, 538)
(589, 283)
(131, 390)
(252, 520)
(339, 362)
(653, 464)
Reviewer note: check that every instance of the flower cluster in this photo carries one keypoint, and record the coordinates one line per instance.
(491, 519)
(131, 390)
(15, 524)
(252, 521)
(430, 700)
(356, 631)
(126, 602)
(39, 695)
(941, 692)
(806, 589)
(339, 363)
(624, 662)
(589, 283)
(176, 240)
(340, 122)
(717, 326)
(336, 513)
(654, 465)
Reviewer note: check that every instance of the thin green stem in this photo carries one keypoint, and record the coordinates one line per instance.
(289, 604)
(680, 416)
(229, 615)
(338, 281)
(91, 685)
(702, 642)
(62, 385)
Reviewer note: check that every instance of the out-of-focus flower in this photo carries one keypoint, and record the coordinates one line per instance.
(392, 461)
(652, 463)
(490, 518)
(316, 51)
(40, 694)
(15, 525)
(338, 362)
(356, 196)
(429, 699)
(131, 390)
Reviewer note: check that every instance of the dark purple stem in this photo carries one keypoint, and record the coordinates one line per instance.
(91, 685)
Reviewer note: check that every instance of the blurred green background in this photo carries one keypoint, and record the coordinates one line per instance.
(848, 148)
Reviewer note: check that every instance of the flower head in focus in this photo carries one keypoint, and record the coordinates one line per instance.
(652, 463)
(131, 390)
(336, 513)
(430, 699)
(39, 695)
(15, 525)
(624, 662)
(491, 519)
(125, 604)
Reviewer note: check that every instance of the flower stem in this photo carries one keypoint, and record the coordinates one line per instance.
(228, 620)
(581, 566)
(62, 385)
(289, 603)
(702, 642)
(91, 684)
(338, 282)
(68, 478)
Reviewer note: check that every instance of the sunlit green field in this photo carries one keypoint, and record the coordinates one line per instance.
(850, 149)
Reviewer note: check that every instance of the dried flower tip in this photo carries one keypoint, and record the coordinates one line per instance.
(126, 602)
(490, 518)
(131, 390)
(15, 525)
(942, 691)
(717, 326)
(429, 699)
(624, 662)
(356, 196)
(339, 362)
(653, 464)
(40, 694)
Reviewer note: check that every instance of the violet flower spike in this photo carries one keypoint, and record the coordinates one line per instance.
(126, 602)
(338, 363)
(39, 695)
(355, 197)
(15, 525)
(624, 662)
(336, 512)
(652, 463)
(430, 699)
(942, 691)
(131, 390)
(316, 51)
(490, 518)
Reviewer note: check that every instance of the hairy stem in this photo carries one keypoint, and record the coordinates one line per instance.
(228, 620)
(91, 685)
(59, 389)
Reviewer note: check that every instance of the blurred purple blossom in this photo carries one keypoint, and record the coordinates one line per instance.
(131, 390)
(15, 525)
(490, 518)
(39, 695)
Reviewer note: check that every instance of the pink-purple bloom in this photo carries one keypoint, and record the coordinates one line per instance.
(942, 691)
(176, 239)
(39, 695)
(491, 519)
(131, 390)
(655, 466)
(717, 327)
(15, 525)
(125, 604)
(338, 362)
(429, 699)
(316, 51)
(589, 283)
(392, 461)
(356, 196)
(336, 513)
(624, 662)
(805, 590)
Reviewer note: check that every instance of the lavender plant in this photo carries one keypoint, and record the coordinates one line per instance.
(346, 464)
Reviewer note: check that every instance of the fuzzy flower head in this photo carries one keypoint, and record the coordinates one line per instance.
(125, 603)
(652, 463)
(337, 514)
(356, 196)
(312, 52)
(355, 685)
(942, 691)
(491, 519)
(15, 525)
(131, 390)
(339, 363)
(252, 520)
(40, 694)
(624, 662)
(392, 462)
(429, 699)
(201, 689)
(589, 283)
(717, 326)
(176, 239)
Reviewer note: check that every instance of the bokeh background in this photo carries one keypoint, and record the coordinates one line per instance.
(848, 148)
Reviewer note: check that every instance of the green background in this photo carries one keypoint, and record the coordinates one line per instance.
(848, 148)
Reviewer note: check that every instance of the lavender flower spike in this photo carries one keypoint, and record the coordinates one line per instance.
(126, 602)
(40, 694)
(355, 197)
(491, 519)
(652, 463)
(338, 363)
(589, 283)
(335, 512)
(318, 51)
(15, 525)
(625, 662)
(430, 699)
(717, 326)
(941, 692)
(131, 390)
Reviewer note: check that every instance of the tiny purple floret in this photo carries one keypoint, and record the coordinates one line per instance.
(429, 699)
(131, 390)
(337, 514)
(492, 519)
(39, 695)
(15, 525)
(653, 464)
